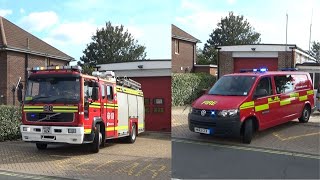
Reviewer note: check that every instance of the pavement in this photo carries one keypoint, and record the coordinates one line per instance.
(148, 158)
(292, 136)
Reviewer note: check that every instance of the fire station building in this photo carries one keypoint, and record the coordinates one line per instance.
(272, 56)
(18, 51)
(155, 79)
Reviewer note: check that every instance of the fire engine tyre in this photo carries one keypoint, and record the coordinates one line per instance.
(305, 115)
(133, 134)
(247, 132)
(95, 146)
(41, 146)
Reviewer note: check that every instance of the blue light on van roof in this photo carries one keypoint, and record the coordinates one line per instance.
(254, 70)
(263, 69)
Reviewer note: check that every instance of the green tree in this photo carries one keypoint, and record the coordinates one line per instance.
(315, 51)
(231, 30)
(111, 44)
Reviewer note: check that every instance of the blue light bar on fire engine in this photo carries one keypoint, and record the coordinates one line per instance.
(261, 70)
(77, 68)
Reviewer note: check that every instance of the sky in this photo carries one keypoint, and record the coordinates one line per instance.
(268, 17)
(69, 25)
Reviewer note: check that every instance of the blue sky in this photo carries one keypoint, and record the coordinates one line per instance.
(69, 24)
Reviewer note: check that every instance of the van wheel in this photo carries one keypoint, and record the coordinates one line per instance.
(95, 146)
(304, 118)
(41, 146)
(133, 134)
(247, 132)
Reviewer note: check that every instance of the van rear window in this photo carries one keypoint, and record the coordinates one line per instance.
(233, 86)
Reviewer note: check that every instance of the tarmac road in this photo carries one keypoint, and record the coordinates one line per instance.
(194, 160)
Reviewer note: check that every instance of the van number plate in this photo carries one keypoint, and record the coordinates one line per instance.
(202, 130)
(46, 129)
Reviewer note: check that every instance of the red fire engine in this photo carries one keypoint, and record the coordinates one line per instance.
(240, 104)
(62, 105)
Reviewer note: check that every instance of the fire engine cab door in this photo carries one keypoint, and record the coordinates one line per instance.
(110, 107)
(263, 102)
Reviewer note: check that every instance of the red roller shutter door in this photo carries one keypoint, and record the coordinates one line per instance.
(252, 63)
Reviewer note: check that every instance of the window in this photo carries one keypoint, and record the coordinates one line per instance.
(233, 86)
(158, 101)
(147, 110)
(176, 46)
(146, 101)
(284, 84)
(158, 110)
(87, 89)
(264, 87)
(103, 92)
(110, 93)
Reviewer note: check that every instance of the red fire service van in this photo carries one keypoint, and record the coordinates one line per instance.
(240, 104)
(62, 105)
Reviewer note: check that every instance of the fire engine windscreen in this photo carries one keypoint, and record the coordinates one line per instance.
(53, 90)
(233, 86)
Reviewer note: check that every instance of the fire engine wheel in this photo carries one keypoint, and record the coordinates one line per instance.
(41, 146)
(95, 146)
(305, 115)
(133, 134)
(247, 132)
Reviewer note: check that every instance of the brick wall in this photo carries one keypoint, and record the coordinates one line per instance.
(16, 68)
(185, 58)
(205, 69)
(3, 77)
(225, 63)
(285, 60)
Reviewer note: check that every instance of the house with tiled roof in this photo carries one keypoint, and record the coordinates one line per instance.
(184, 48)
(18, 51)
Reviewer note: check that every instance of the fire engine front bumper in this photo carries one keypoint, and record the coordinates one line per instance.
(52, 134)
(228, 127)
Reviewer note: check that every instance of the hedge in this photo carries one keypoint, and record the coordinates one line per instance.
(189, 86)
(10, 120)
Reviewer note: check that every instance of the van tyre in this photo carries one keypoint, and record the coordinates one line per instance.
(247, 132)
(95, 146)
(305, 115)
(41, 146)
(133, 134)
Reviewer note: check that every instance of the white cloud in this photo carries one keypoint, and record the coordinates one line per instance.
(39, 21)
(22, 10)
(5, 12)
(73, 33)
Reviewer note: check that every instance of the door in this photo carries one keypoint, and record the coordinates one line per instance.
(91, 105)
(264, 99)
(111, 111)
(254, 63)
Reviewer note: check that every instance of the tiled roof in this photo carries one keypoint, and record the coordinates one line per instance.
(180, 34)
(14, 38)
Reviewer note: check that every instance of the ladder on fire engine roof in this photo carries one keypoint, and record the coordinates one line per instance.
(126, 82)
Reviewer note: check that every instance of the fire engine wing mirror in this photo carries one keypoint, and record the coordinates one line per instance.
(95, 94)
(260, 93)
(19, 92)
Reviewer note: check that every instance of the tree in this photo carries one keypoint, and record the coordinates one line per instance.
(111, 44)
(315, 51)
(231, 30)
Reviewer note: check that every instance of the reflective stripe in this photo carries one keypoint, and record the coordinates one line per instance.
(247, 105)
(65, 107)
(117, 128)
(87, 131)
(310, 92)
(33, 107)
(294, 95)
(94, 106)
(140, 125)
(303, 98)
(129, 91)
(285, 102)
(33, 110)
(262, 107)
(275, 100)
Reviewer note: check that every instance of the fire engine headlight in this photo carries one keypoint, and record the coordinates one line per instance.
(228, 113)
(25, 129)
(71, 130)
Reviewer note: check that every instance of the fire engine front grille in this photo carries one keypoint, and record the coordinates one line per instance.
(50, 117)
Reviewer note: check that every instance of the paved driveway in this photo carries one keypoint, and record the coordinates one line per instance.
(148, 158)
(292, 136)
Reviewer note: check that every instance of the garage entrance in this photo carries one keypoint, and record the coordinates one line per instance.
(252, 63)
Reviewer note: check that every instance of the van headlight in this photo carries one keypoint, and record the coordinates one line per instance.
(228, 113)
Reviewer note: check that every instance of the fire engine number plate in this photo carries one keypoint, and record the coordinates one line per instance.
(46, 129)
(202, 130)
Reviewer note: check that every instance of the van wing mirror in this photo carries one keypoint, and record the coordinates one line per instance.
(260, 93)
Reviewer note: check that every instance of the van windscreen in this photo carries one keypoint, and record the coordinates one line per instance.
(233, 86)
